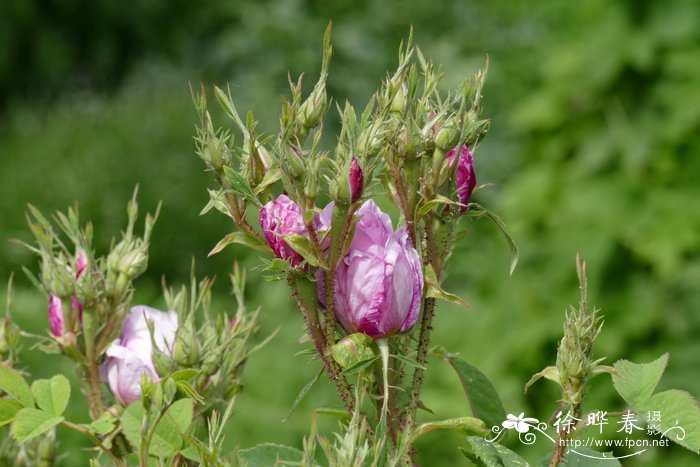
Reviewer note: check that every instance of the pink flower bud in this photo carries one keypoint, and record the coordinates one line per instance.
(56, 315)
(356, 180)
(465, 178)
(77, 307)
(278, 218)
(130, 356)
(81, 264)
(379, 282)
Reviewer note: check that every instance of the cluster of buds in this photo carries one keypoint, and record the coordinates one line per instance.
(575, 365)
(154, 344)
(350, 271)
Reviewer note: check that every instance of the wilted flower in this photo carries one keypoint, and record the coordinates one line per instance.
(379, 282)
(56, 315)
(356, 180)
(280, 217)
(129, 356)
(465, 179)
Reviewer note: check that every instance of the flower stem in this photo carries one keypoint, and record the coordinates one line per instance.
(313, 325)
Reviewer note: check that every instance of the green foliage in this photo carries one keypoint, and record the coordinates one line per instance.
(14, 385)
(52, 395)
(591, 149)
(265, 455)
(167, 437)
(481, 394)
(30, 422)
(485, 454)
(679, 412)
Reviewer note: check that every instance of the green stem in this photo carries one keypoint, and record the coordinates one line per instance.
(94, 439)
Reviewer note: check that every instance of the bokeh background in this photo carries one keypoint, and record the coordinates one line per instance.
(595, 110)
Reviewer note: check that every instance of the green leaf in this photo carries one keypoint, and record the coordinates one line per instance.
(433, 289)
(30, 422)
(437, 201)
(240, 185)
(185, 374)
(586, 457)
(241, 238)
(338, 413)
(486, 454)
(482, 396)
(467, 425)
(271, 177)
(636, 382)
(551, 373)
(167, 439)
(14, 385)
(8, 409)
(409, 362)
(307, 387)
(482, 211)
(361, 365)
(52, 395)
(677, 408)
(305, 248)
(268, 454)
(103, 425)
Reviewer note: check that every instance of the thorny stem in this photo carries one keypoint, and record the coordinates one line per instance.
(426, 327)
(321, 343)
(93, 389)
(404, 205)
(562, 436)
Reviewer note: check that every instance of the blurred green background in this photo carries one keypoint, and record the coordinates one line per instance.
(594, 145)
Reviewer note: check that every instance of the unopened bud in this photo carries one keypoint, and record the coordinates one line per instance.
(81, 264)
(398, 102)
(353, 349)
(447, 138)
(356, 180)
(314, 107)
(186, 349)
(56, 315)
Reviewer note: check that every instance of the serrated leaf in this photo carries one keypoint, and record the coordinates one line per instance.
(240, 185)
(467, 425)
(433, 289)
(241, 238)
(486, 454)
(268, 454)
(551, 373)
(482, 211)
(166, 440)
(677, 408)
(30, 422)
(14, 385)
(52, 395)
(636, 382)
(305, 248)
(8, 409)
(482, 396)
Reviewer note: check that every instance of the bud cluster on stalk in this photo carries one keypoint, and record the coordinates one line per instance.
(352, 270)
(77, 282)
